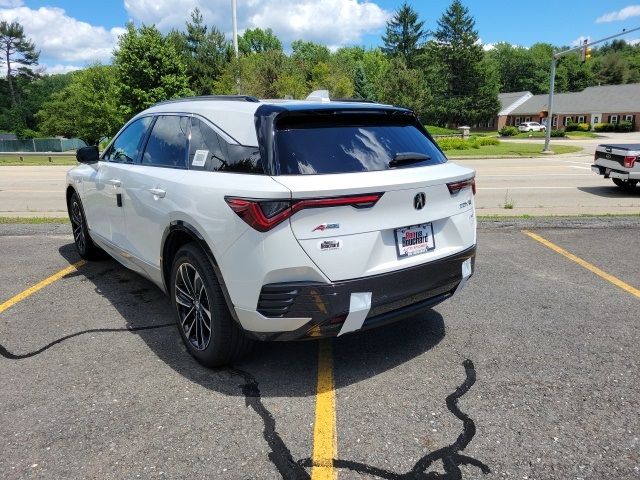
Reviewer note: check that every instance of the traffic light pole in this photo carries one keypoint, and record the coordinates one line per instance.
(552, 80)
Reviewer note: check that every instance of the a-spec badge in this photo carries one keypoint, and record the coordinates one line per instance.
(326, 226)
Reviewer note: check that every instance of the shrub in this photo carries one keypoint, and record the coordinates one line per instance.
(27, 134)
(604, 127)
(483, 141)
(452, 143)
(557, 133)
(571, 127)
(583, 127)
(624, 126)
(508, 131)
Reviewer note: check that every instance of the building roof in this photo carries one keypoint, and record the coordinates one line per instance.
(509, 101)
(603, 99)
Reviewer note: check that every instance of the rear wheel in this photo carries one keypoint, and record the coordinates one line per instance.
(85, 246)
(207, 328)
(626, 185)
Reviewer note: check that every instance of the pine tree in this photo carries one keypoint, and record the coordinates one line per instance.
(404, 35)
(470, 90)
(16, 48)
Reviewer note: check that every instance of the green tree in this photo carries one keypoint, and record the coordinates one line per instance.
(375, 65)
(86, 108)
(468, 91)
(258, 41)
(404, 87)
(16, 48)
(205, 51)
(613, 69)
(404, 35)
(149, 69)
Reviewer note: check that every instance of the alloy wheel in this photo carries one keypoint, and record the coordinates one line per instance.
(77, 224)
(194, 310)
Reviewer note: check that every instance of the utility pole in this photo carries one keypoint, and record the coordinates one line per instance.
(234, 25)
(552, 78)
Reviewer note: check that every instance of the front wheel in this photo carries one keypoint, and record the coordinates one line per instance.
(84, 245)
(626, 185)
(206, 326)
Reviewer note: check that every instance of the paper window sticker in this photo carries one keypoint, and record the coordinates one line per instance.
(200, 158)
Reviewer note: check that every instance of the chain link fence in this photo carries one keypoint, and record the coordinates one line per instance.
(42, 145)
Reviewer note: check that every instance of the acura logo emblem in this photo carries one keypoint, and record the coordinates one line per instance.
(419, 200)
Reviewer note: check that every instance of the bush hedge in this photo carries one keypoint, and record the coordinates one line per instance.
(604, 127)
(624, 126)
(451, 143)
(508, 131)
(557, 133)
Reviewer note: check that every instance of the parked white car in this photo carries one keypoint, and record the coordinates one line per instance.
(531, 127)
(278, 220)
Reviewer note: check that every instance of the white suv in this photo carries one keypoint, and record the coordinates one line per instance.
(278, 220)
(531, 127)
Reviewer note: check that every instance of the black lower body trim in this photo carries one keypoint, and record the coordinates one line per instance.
(394, 296)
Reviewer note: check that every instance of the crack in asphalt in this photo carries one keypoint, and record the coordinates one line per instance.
(450, 455)
(20, 356)
(280, 454)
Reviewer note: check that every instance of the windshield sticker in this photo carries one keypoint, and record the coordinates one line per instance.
(200, 158)
(330, 245)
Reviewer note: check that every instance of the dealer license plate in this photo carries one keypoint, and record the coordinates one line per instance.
(414, 240)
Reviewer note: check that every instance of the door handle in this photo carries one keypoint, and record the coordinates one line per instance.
(115, 183)
(157, 192)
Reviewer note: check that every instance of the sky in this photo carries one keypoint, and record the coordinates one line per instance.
(74, 33)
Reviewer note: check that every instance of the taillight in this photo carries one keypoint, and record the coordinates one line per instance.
(263, 215)
(629, 162)
(455, 187)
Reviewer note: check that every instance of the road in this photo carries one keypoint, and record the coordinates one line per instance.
(557, 185)
(530, 372)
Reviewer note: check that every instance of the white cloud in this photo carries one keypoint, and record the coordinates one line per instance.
(579, 41)
(333, 22)
(62, 37)
(626, 12)
(59, 68)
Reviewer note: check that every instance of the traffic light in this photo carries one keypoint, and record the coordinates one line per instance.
(586, 51)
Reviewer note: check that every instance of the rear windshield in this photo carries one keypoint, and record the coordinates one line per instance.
(350, 143)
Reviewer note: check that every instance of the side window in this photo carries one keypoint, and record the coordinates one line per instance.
(208, 151)
(126, 146)
(206, 148)
(167, 145)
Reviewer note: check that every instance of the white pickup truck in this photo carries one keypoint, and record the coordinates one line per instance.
(620, 163)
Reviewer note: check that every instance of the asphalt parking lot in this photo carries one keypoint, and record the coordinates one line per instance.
(530, 373)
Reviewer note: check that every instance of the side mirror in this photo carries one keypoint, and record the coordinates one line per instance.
(88, 154)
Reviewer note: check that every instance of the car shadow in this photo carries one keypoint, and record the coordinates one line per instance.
(284, 369)
(610, 191)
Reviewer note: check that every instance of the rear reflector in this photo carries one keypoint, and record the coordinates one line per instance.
(455, 187)
(629, 162)
(263, 215)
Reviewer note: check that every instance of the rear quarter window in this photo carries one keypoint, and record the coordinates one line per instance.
(345, 143)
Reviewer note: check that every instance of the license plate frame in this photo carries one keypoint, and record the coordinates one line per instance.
(405, 251)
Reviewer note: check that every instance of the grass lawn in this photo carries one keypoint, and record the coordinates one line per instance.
(435, 130)
(510, 150)
(33, 220)
(10, 160)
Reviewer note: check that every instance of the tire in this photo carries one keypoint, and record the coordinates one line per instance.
(81, 238)
(196, 294)
(626, 185)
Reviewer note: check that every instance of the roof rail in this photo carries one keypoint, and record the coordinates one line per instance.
(232, 98)
(355, 100)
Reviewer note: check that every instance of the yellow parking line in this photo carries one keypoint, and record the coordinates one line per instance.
(592, 268)
(324, 431)
(40, 285)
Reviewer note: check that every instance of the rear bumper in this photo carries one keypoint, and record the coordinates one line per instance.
(611, 173)
(394, 296)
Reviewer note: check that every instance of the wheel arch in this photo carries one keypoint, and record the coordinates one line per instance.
(177, 234)
(70, 191)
